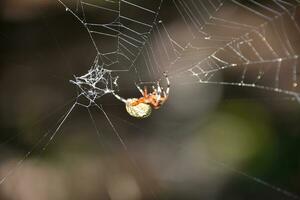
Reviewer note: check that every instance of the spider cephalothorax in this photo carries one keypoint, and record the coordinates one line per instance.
(142, 107)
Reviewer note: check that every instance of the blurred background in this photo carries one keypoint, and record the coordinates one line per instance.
(207, 142)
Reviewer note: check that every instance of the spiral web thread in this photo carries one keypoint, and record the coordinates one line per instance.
(262, 52)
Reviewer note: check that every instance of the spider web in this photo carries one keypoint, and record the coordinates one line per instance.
(194, 41)
(260, 48)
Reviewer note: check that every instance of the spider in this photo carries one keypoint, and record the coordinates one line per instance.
(142, 107)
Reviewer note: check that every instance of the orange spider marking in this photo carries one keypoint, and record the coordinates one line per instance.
(151, 98)
(156, 98)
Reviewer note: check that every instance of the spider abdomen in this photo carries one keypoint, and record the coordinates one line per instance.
(141, 110)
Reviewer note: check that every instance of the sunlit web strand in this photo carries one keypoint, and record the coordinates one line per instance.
(244, 39)
(45, 137)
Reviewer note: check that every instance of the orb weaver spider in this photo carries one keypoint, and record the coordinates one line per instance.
(142, 107)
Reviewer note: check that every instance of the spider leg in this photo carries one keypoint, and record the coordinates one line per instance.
(145, 93)
(139, 88)
(158, 92)
(168, 83)
(154, 90)
(165, 94)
